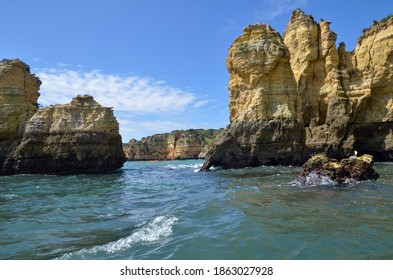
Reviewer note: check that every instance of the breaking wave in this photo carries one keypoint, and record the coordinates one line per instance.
(184, 166)
(156, 229)
(314, 179)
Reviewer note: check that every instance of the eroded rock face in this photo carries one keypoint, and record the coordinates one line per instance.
(339, 100)
(179, 144)
(348, 169)
(18, 102)
(346, 97)
(263, 104)
(262, 85)
(251, 144)
(79, 137)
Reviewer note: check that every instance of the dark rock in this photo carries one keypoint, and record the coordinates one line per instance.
(353, 168)
(251, 144)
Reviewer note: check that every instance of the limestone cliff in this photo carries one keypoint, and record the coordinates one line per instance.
(18, 102)
(295, 96)
(148, 148)
(263, 104)
(346, 97)
(179, 144)
(79, 137)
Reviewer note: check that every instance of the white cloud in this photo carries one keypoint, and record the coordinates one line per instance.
(143, 106)
(273, 8)
(138, 95)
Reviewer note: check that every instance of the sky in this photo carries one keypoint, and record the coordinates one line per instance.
(159, 64)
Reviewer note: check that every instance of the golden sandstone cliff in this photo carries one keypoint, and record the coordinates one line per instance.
(179, 144)
(300, 94)
(79, 137)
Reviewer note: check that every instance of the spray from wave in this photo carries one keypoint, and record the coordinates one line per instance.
(156, 229)
(314, 179)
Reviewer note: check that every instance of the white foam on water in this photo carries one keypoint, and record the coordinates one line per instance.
(184, 166)
(314, 179)
(9, 196)
(156, 229)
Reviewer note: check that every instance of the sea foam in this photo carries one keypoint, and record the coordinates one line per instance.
(183, 166)
(314, 179)
(154, 230)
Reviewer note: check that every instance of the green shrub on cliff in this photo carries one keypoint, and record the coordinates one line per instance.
(375, 22)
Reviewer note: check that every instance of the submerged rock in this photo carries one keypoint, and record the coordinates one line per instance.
(348, 169)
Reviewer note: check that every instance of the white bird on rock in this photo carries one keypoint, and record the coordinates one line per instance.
(355, 155)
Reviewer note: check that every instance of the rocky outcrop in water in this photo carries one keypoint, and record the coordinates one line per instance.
(179, 144)
(263, 104)
(317, 96)
(79, 137)
(348, 169)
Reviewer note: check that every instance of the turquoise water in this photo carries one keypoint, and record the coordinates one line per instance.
(166, 210)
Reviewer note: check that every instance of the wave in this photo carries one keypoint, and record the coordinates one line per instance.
(9, 196)
(156, 229)
(314, 179)
(183, 166)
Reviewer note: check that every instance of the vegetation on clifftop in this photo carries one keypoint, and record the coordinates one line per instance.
(375, 22)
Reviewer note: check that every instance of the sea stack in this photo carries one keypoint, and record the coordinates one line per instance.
(79, 137)
(298, 95)
(263, 104)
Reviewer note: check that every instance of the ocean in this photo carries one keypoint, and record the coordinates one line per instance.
(167, 210)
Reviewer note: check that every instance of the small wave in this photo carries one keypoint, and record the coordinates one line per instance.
(314, 179)
(153, 231)
(9, 196)
(184, 166)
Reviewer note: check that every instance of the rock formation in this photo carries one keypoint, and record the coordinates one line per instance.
(348, 169)
(18, 103)
(346, 98)
(263, 104)
(299, 95)
(179, 144)
(80, 137)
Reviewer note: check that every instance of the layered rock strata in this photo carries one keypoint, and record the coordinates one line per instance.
(179, 144)
(340, 101)
(79, 137)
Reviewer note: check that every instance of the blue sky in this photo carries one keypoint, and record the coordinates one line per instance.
(160, 64)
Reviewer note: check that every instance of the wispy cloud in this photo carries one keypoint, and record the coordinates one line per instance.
(139, 95)
(271, 9)
(143, 105)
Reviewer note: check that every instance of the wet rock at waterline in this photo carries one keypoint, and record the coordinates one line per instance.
(349, 169)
